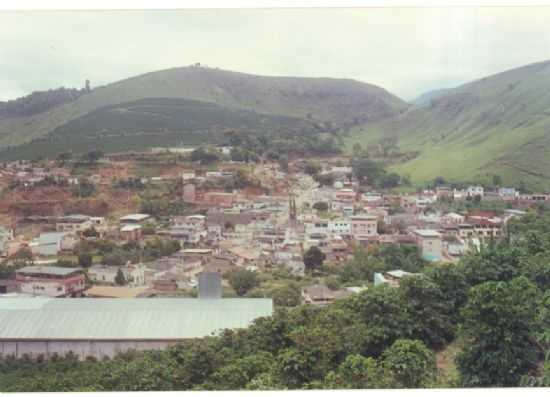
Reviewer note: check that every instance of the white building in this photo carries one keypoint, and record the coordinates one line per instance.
(102, 274)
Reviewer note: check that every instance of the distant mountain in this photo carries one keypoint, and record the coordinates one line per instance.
(496, 125)
(330, 103)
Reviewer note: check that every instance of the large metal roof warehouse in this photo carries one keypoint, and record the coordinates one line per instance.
(104, 327)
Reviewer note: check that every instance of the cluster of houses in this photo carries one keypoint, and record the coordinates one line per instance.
(258, 228)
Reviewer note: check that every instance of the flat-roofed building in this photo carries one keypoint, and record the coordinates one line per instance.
(430, 244)
(76, 223)
(52, 281)
(364, 226)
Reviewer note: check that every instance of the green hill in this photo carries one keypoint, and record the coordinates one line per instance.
(331, 103)
(156, 122)
(496, 125)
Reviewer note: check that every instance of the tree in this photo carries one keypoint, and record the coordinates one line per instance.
(325, 179)
(411, 363)
(499, 322)
(283, 163)
(243, 281)
(493, 263)
(366, 169)
(23, 257)
(114, 259)
(90, 232)
(439, 181)
(388, 181)
(313, 259)
(119, 278)
(312, 168)
(85, 188)
(358, 372)
(288, 295)
(84, 259)
(382, 309)
(431, 314)
(93, 156)
(204, 156)
(63, 157)
(321, 206)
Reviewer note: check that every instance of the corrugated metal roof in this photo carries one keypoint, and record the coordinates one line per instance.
(121, 319)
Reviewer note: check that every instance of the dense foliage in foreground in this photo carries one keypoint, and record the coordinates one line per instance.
(495, 304)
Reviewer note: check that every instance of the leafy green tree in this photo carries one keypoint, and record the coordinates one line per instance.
(85, 188)
(116, 258)
(204, 155)
(325, 179)
(431, 313)
(293, 368)
(63, 157)
(383, 310)
(119, 278)
(312, 168)
(288, 295)
(499, 321)
(366, 169)
(493, 263)
(243, 281)
(92, 156)
(411, 363)
(283, 163)
(239, 373)
(84, 259)
(452, 283)
(391, 180)
(90, 232)
(313, 259)
(358, 372)
(321, 206)
(362, 266)
(23, 257)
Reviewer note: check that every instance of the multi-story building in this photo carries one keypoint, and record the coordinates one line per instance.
(73, 223)
(364, 226)
(430, 244)
(51, 281)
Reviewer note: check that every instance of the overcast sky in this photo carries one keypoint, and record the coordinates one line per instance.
(407, 51)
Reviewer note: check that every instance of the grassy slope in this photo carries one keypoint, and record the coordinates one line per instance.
(152, 122)
(323, 99)
(499, 124)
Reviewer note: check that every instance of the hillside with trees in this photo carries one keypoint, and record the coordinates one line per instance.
(39, 102)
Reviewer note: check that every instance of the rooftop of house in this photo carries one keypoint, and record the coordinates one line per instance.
(322, 292)
(363, 217)
(125, 319)
(130, 228)
(134, 217)
(427, 233)
(74, 218)
(48, 270)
